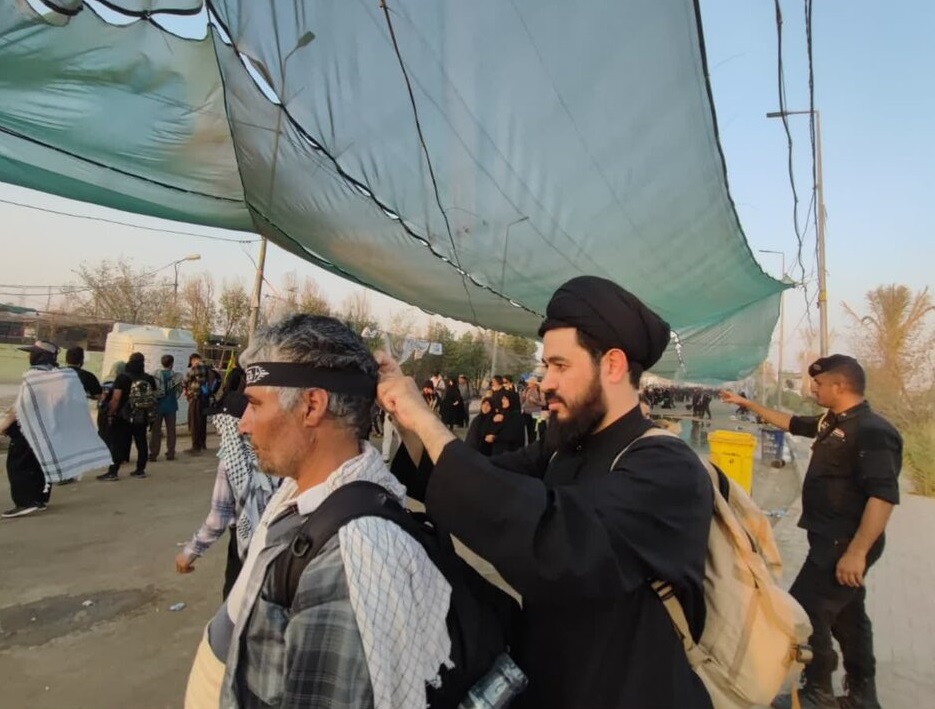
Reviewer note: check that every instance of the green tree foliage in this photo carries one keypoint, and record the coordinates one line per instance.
(894, 338)
(518, 355)
(233, 310)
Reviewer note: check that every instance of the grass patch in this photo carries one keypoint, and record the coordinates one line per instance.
(13, 363)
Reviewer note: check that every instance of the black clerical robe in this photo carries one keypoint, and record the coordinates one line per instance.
(581, 543)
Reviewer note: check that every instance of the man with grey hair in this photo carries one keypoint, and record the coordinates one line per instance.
(365, 626)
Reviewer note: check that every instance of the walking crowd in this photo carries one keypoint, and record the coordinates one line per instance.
(336, 596)
(133, 407)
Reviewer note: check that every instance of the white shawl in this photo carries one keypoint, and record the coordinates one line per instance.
(52, 411)
(399, 597)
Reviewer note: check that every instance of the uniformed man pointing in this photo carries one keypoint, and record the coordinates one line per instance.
(849, 492)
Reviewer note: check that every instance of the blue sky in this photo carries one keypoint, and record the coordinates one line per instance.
(873, 84)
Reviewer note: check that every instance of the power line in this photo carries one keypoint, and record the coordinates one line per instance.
(811, 123)
(129, 224)
(781, 80)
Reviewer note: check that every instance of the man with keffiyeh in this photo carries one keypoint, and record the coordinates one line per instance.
(51, 437)
(367, 624)
(241, 493)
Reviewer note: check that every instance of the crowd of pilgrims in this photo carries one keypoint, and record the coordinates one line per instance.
(509, 416)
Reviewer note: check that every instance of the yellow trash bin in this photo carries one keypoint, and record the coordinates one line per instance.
(732, 452)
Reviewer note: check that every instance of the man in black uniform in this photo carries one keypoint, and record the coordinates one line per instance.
(74, 358)
(573, 526)
(849, 492)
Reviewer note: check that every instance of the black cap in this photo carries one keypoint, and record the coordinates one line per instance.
(233, 404)
(832, 363)
(41, 347)
(610, 315)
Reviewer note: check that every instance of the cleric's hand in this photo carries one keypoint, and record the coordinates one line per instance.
(399, 395)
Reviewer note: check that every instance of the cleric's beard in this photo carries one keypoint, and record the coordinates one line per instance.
(583, 417)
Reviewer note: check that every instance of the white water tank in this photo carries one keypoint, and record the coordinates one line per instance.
(153, 342)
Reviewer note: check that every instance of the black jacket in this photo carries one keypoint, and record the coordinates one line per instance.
(581, 543)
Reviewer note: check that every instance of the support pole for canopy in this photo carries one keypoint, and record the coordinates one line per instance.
(257, 290)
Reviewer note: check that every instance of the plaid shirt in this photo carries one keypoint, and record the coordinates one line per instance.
(309, 655)
(196, 376)
(222, 515)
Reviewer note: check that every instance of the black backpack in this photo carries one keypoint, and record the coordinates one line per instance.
(140, 407)
(481, 618)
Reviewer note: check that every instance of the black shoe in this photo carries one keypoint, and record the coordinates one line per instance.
(152, 458)
(21, 511)
(170, 456)
(139, 474)
(860, 694)
(811, 696)
(69, 481)
(108, 477)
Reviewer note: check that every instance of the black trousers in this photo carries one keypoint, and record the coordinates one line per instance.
(122, 434)
(835, 610)
(198, 423)
(234, 564)
(530, 428)
(28, 485)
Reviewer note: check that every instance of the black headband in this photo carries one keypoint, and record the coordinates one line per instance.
(304, 376)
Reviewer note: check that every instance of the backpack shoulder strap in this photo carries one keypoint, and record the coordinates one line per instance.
(695, 654)
(663, 589)
(649, 433)
(718, 479)
(347, 503)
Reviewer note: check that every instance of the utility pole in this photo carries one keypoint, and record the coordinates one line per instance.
(257, 290)
(303, 41)
(819, 228)
(820, 231)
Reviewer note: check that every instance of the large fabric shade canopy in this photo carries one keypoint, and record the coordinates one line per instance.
(463, 157)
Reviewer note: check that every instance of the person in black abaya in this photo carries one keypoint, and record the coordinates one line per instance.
(480, 433)
(509, 428)
(452, 406)
(580, 522)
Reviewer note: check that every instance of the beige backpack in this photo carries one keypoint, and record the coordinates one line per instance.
(755, 633)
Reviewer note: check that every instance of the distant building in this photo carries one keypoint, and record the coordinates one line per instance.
(23, 325)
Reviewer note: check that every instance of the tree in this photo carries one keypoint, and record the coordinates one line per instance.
(428, 364)
(311, 300)
(399, 327)
(517, 355)
(233, 309)
(892, 338)
(196, 298)
(115, 290)
(357, 312)
(472, 358)
(894, 341)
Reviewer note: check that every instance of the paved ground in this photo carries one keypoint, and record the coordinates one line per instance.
(114, 544)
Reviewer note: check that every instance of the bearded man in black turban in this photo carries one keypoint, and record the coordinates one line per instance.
(582, 522)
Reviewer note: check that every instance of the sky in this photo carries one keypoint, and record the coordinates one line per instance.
(873, 67)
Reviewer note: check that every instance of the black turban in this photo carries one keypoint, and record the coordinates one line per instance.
(610, 315)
